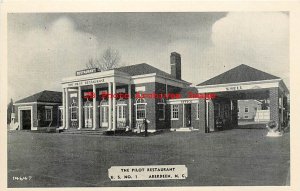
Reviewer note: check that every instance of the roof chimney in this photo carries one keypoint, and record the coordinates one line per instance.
(175, 60)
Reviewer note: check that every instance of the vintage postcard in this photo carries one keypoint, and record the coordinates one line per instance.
(169, 95)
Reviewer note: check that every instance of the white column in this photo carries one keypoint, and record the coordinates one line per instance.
(129, 105)
(109, 106)
(64, 109)
(114, 106)
(79, 108)
(207, 113)
(281, 109)
(231, 108)
(94, 107)
(183, 118)
(67, 118)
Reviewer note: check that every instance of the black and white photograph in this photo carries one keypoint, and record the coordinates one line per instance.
(148, 99)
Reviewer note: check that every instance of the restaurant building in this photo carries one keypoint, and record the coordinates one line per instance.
(123, 97)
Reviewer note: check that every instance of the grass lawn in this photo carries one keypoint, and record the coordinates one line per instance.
(232, 157)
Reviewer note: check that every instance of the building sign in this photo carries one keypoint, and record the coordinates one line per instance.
(186, 101)
(86, 82)
(152, 172)
(234, 88)
(87, 71)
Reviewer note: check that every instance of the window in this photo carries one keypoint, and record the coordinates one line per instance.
(238, 109)
(161, 109)
(198, 111)
(88, 114)
(140, 108)
(121, 110)
(48, 115)
(175, 112)
(246, 109)
(246, 117)
(73, 111)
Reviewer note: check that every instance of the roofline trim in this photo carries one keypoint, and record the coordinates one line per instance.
(236, 83)
(35, 102)
(179, 101)
(159, 75)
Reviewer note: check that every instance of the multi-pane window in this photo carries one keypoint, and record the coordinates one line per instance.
(73, 109)
(48, 114)
(104, 112)
(175, 111)
(121, 110)
(246, 109)
(161, 109)
(140, 107)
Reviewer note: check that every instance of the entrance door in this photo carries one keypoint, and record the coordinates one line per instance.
(26, 119)
(188, 116)
(104, 115)
(88, 114)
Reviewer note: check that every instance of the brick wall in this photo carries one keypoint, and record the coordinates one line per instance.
(234, 114)
(160, 123)
(150, 111)
(201, 120)
(211, 116)
(274, 105)
(39, 114)
(178, 123)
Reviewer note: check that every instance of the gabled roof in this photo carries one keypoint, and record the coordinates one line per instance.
(44, 96)
(141, 69)
(241, 73)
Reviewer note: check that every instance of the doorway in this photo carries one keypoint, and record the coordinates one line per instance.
(188, 116)
(88, 113)
(25, 119)
(104, 113)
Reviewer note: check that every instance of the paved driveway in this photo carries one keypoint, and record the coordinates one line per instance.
(232, 157)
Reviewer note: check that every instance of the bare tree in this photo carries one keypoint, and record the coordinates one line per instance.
(10, 109)
(109, 59)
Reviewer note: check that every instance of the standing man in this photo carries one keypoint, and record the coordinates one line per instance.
(146, 126)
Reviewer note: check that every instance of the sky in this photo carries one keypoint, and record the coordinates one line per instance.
(43, 48)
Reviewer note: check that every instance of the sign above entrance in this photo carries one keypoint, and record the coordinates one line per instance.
(86, 82)
(87, 71)
(234, 88)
